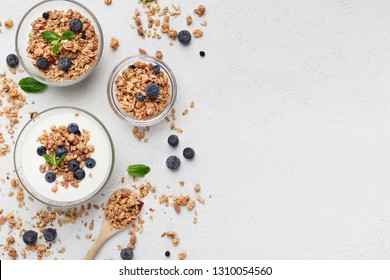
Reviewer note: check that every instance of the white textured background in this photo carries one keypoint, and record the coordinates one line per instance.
(291, 129)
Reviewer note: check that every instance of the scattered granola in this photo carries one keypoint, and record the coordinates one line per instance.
(159, 55)
(200, 10)
(131, 88)
(189, 20)
(9, 23)
(197, 33)
(182, 255)
(114, 44)
(197, 188)
(108, 2)
(82, 50)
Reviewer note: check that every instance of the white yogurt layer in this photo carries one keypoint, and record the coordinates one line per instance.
(27, 161)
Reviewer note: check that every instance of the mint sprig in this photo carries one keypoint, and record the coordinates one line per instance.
(31, 85)
(138, 170)
(53, 159)
(55, 38)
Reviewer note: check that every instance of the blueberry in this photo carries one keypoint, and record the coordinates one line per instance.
(139, 96)
(188, 153)
(61, 150)
(49, 234)
(173, 162)
(73, 128)
(76, 25)
(50, 177)
(152, 91)
(202, 53)
(12, 60)
(127, 254)
(41, 150)
(64, 63)
(73, 165)
(45, 15)
(156, 69)
(42, 63)
(90, 163)
(173, 140)
(79, 174)
(184, 37)
(30, 237)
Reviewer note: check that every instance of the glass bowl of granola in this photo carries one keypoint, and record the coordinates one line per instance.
(59, 42)
(142, 90)
(64, 156)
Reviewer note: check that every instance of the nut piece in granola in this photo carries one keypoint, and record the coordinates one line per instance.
(197, 33)
(114, 44)
(189, 20)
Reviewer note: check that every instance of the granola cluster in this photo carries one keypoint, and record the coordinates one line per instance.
(123, 208)
(82, 50)
(77, 148)
(134, 80)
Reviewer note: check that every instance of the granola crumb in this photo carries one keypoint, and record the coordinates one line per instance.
(181, 256)
(200, 10)
(142, 51)
(9, 23)
(197, 33)
(189, 20)
(88, 236)
(15, 183)
(192, 104)
(195, 220)
(62, 250)
(185, 112)
(114, 44)
(181, 183)
(175, 241)
(159, 55)
(197, 188)
(54, 188)
(108, 2)
(203, 23)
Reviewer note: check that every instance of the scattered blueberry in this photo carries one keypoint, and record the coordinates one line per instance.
(83, 36)
(173, 162)
(41, 150)
(156, 69)
(90, 163)
(79, 174)
(184, 37)
(202, 53)
(73, 128)
(50, 177)
(73, 165)
(167, 254)
(64, 63)
(139, 96)
(173, 140)
(12, 60)
(50, 234)
(45, 15)
(152, 91)
(43, 63)
(188, 153)
(76, 25)
(30, 237)
(127, 254)
(61, 150)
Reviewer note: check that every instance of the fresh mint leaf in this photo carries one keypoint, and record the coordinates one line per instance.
(58, 161)
(50, 36)
(49, 159)
(138, 170)
(67, 35)
(31, 85)
(55, 48)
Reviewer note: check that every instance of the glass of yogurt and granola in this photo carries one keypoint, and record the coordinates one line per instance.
(60, 42)
(64, 156)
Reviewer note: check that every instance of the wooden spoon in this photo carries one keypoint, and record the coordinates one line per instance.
(107, 231)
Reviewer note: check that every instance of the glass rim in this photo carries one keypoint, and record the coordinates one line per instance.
(76, 202)
(112, 98)
(48, 81)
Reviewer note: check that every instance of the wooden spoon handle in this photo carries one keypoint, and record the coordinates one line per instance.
(92, 252)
